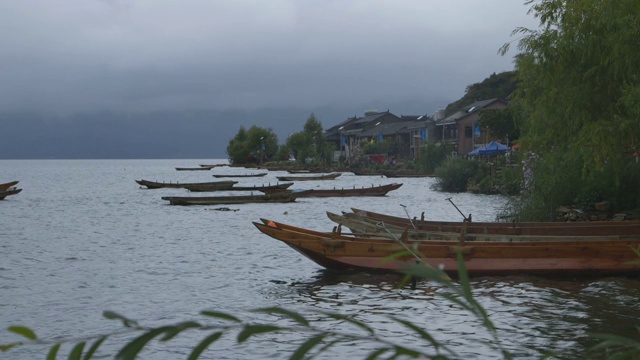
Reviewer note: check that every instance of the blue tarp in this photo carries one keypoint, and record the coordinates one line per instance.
(492, 148)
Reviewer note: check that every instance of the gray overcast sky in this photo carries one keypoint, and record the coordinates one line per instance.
(82, 55)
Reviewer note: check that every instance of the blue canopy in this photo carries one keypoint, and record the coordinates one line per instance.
(492, 148)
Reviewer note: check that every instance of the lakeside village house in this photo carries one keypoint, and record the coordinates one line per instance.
(407, 133)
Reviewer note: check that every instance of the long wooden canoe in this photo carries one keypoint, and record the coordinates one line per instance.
(239, 175)
(201, 168)
(381, 190)
(7, 185)
(218, 185)
(369, 228)
(510, 228)
(262, 188)
(329, 176)
(222, 200)
(554, 256)
(401, 174)
(8, 192)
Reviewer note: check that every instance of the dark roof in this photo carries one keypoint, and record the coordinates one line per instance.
(469, 109)
(394, 128)
(354, 123)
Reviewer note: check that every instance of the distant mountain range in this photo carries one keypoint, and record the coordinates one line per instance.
(194, 134)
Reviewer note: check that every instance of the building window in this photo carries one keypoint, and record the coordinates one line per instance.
(467, 132)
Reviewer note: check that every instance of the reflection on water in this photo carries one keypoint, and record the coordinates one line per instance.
(534, 316)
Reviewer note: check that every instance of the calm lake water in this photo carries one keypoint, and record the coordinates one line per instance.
(83, 237)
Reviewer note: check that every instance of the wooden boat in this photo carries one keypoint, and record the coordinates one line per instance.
(593, 228)
(239, 175)
(262, 188)
(211, 166)
(367, 173)
(381, 190)
(218, 185)
(404, 174)
(223, 200)
(329, 176)
(8, 192)
(7, 185)
(193, 168)
(554, 255)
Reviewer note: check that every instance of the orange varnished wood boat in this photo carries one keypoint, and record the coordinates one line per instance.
(213, 185)
(6, 186)
(554, 255)
(330, 176)
(592, 228)
(380, 190)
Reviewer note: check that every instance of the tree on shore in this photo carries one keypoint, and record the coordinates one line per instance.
(308, 146)
(579, 85)
(255, 145)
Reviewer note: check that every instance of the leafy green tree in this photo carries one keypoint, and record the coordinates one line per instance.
(495, 86)
(580, 87)
(255, 145)
(309, 144)
(501, 123)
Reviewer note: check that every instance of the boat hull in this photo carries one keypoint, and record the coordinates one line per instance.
(339, 252)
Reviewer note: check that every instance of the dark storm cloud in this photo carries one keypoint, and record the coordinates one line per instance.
(80, 55)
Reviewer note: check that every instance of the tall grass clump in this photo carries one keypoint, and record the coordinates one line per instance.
(454, 174)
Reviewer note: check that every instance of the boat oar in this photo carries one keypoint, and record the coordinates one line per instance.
(466, 219)
(409, 217)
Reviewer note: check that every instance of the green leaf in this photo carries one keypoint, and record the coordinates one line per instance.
(76, 352)
(125, 321)
(131, 350)
(24, 331)
(351, 321)
(403, 351)
(93, 348)
(376, 354)
(53, 352)
(251, 330)
(307, 346)
(203, 345)
(290, 314)
(219, 315)
(176, 329)
(8, 347)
